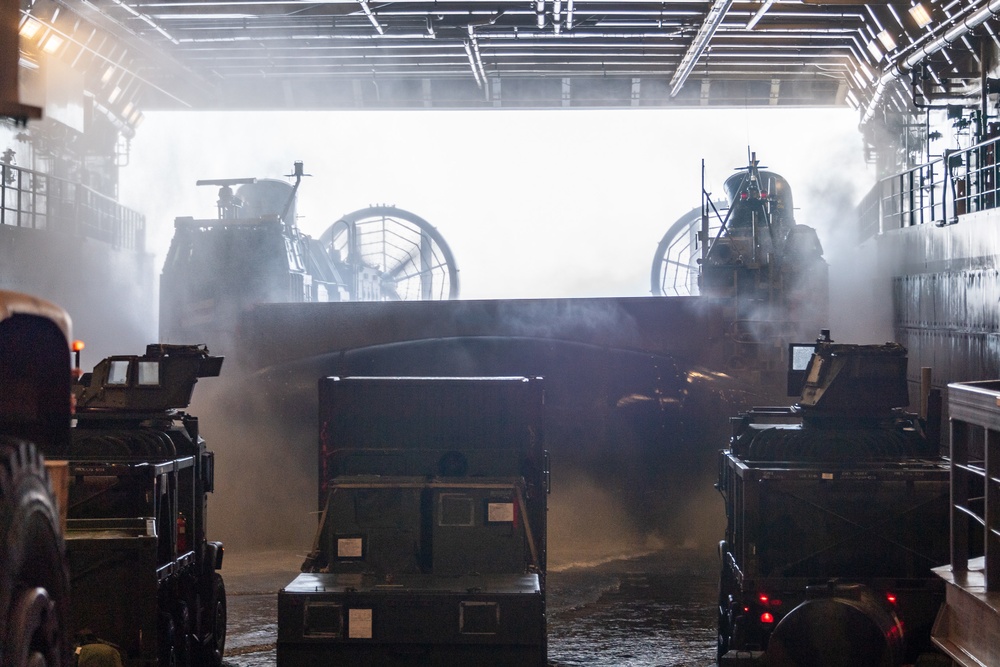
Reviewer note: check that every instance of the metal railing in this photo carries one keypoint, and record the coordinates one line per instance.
(975, 477)
(36, 200)
(959, 182)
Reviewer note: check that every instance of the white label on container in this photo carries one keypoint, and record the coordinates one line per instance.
(359, 623)
(349, 547)
(497, 512)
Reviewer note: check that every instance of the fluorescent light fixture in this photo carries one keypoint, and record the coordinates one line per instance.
(472, 63)
(52, 44)
(875, 50)
(127, 110)
(115, 94)
(920, 15)
(30, 28)
(371, 17)
(864, 69)
(766, 5)
(888, 41)
(107, 74)
(716, 13)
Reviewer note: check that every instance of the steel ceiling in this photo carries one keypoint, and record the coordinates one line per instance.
(294, 54)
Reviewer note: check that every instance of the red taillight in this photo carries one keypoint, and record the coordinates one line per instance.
(890, 597)
(762, 598)
(767, 617)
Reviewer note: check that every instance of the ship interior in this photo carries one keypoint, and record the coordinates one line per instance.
(627, 378)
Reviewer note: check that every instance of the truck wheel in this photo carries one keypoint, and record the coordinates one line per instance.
(212, 644)
(727, 587)
(166, 654)
(34, 580)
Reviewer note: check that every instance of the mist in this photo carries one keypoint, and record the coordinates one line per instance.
(534, 204)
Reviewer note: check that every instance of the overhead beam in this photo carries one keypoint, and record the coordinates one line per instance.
(700, 42)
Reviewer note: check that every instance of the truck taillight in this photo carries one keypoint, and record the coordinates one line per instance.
(767, 617)
(891, 597)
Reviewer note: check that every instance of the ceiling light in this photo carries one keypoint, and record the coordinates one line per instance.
(114, 95)
(371, 17)
(52, 44)
(107, 74)
(920, 15)
(30, 28)
(874, 50)
(716, 13)
(887, 40)
(759, 14)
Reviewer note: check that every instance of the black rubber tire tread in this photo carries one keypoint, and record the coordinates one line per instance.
(32, 551)
(213, 613)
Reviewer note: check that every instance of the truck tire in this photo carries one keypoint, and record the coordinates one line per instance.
(212, 644)
(34, 579)
(727, 588)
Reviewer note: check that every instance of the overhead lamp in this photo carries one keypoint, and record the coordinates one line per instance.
(766, 5)
(875, 50)
(114, 95)
(472, 63)
(30, 28)
(920, 15)
(127, 109)
(864, 69)
(704, 35)
(371, 17)
(52, 43)
(888, 41)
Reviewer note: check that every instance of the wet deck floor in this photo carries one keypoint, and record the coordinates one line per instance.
(656, 610)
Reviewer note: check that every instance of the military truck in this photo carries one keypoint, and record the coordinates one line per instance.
(144, 574)
(431, 545)
(35, 378)
(837, 510)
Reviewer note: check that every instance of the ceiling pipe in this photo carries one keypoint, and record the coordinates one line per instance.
(766, 5)
(143, 17)
(700, 42)
(904, 65)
